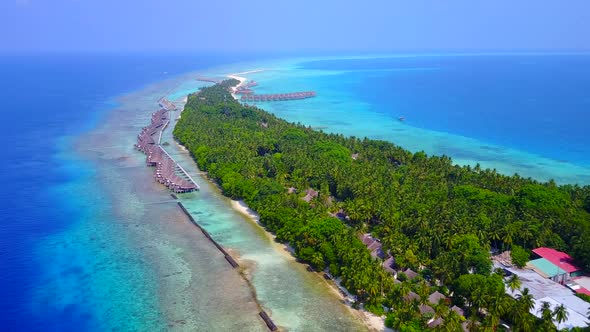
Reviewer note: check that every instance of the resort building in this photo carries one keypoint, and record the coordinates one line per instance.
(373, 245)
(580, 285)
(388, 265)
(548, 270)
(410, 274)
(546, 290)
(437, 297)
(553, 264)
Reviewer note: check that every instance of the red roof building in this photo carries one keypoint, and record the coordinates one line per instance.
(558, 258)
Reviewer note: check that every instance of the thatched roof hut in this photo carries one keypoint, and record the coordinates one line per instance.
(309, 195)
(387, 265)
(426, 309)
(410, 274)
(435, 298)
(412, 296)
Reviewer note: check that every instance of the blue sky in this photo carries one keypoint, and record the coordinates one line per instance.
(293, 26)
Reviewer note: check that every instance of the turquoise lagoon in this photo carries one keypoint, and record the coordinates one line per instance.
(524, 114)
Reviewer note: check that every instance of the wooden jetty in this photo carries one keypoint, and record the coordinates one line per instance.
(278, 96)
(269, 323)
(166, 104)
(250, 84)
(167, 169)
(227, 256)
(208, 80)
(244, 91)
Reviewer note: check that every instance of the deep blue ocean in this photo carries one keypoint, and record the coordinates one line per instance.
(46, 102)
(534, 103)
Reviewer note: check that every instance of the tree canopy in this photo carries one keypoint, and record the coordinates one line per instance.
(426, 210)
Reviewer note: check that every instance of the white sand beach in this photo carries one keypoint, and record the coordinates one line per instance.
(242, 79)
(372, 321)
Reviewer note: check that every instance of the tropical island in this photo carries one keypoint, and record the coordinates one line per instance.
(331, 197)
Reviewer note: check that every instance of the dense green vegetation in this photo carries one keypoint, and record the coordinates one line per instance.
(433, 216)
(519, 256)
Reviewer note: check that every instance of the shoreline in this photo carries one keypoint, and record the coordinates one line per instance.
(247, 267)
(372, 321)
(242, 80)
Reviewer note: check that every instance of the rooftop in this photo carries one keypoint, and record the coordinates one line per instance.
(546, 268)
(410, 274)
(580, 285)
(574, 318)
(561, 259)
(583, 281)
(543, 289)
(435, 297)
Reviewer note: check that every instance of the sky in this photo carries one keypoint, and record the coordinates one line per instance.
(40, 26)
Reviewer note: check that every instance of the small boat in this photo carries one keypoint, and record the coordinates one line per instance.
(401, 118)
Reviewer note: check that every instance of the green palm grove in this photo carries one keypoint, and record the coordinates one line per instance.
(431, 215)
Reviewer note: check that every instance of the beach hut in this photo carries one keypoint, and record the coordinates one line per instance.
(411, 297)
(310, 194)
(426, 309)
(436, 297)
(388, 265)
(410, 274)
(458, 310)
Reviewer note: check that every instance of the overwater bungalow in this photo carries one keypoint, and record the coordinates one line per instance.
(278, 96)
(166, 167)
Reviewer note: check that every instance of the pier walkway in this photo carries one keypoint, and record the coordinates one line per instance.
(208, 80)
(246, 88)
(278, 96)
(166, 104)
(168, 172)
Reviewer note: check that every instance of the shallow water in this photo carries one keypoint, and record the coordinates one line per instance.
(296, 299)
(196, 288)
(181, 281)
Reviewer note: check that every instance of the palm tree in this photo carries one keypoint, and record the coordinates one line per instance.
(507, 235)
(514, 283)
(546, 316)
(522, 307)
(373, 289)
(441, 310)
(527, 324)
(497, 307)
(423, 291)
(478, 300)
(495, 235)
(452, 322)
(526, 300)
(561, 314)
(472, 323)
(404, 289)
